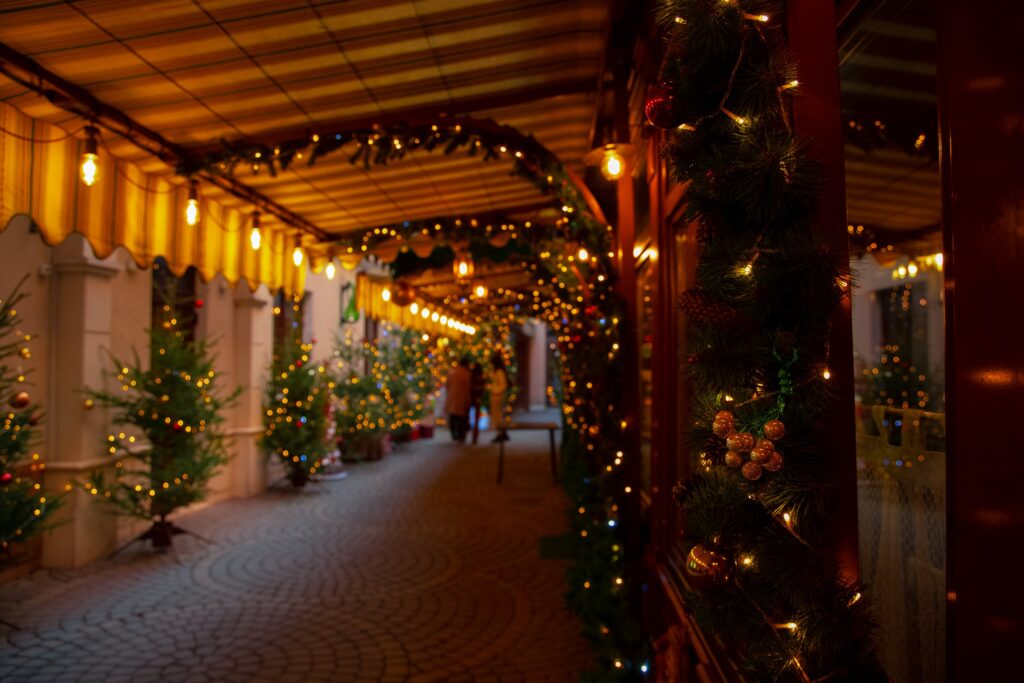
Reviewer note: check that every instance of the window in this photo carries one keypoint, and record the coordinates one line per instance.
(889, 102)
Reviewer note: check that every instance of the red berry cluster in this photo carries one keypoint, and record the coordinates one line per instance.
(743, 445)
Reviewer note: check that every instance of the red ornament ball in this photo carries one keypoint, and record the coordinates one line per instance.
(660, 106)
(708, 567)
(734, 459)
(721, 428)
(20, 399)
(751, 471)
(774, 429)
(6, 478)
(199, 303)
(774, 463)
(760, 454)
(740, 441)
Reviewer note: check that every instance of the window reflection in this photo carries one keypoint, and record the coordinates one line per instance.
(894, 212)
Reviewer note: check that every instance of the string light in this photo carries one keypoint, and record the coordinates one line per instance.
(329, 270)
(414, 307)
(612, 164)
(480, 291)
(90, 167)
(192, 205)
(297, 256)
(583, 254)
(385, 294)
(255, 237)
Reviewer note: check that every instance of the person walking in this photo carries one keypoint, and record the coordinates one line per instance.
(457, 400)
(477, 385)
(498, 387)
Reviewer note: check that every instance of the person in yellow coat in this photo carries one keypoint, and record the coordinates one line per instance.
(498, 386)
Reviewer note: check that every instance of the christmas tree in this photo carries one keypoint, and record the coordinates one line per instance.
(23, 507)
(363, 415)
(767, 286)
(296, 409)
(174, 406)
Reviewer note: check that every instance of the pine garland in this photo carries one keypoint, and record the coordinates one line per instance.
(780, 607)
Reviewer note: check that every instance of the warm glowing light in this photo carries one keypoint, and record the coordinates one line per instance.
(787, 518)
(425, 313)
(329, 270)
(435, 316)
(385, 294)
(938, 260)
(414, 308)
(612, 165)
(192, 205)
(90, 167)
(912, 270)
(480, 292)
(255, 238)
(583, 254)
(826, 374)
(297, 256)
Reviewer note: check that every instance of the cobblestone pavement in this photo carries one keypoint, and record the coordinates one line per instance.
(415, 568)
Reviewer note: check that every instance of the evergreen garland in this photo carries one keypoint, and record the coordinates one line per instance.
(768, 286)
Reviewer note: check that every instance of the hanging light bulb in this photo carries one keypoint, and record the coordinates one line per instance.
(385, 294)
(329, 270)
(583, 254)
(297, 256)
(414, 308)
(612, 164)
(192, 205)
(255, 237)
(462, 267)
(90, 167)
(480, 292)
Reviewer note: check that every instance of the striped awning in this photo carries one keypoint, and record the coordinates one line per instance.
(202, 71)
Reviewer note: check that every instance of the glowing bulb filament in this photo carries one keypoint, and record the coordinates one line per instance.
(297, 256)
(583, 254)
(255, 238)
(329, 270)
(90, 169)
(385, 294)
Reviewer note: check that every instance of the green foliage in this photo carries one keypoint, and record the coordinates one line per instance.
(362, 416)
(23, 507)
(768, 286)
(175, 406)
(295, 410)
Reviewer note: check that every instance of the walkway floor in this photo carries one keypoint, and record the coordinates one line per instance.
(415, 568)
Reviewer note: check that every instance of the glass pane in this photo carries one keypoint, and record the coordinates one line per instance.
(893, 207)
(645, 345)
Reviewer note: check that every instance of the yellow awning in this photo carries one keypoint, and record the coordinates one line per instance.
(144, 213)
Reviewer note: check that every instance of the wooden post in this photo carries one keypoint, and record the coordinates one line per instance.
(981, 97)
(816, 110)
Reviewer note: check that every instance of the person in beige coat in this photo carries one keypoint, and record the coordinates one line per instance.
(498, 385)
(456, 402)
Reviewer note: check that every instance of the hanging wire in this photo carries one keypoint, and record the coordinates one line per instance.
(26, 138)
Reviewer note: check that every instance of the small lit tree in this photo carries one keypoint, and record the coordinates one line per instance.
(295, 411)
(174, 406)
(23, 507)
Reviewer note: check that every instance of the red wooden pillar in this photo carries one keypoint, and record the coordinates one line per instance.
(981, 114)
(816, 109)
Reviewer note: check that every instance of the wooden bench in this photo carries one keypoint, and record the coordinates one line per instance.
(524, 426)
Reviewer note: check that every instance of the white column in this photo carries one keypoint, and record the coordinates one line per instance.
(538, 379)
(251, 351)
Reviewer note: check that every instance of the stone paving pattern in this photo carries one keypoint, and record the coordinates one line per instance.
(415, 568)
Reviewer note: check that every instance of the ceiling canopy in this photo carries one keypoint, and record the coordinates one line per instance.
(207, 72)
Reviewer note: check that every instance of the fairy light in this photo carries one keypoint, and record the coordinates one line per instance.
(297, 256)
(583, 254)
(612, 164)
(826, 374)
(329, 270)
(90, 167)
(480, 291)
(414, 307)
(385, 294)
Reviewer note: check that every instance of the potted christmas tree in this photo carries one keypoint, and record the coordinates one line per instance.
(173, 404)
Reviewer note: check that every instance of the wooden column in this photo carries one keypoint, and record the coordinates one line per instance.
(816, 109)
(981, 100)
